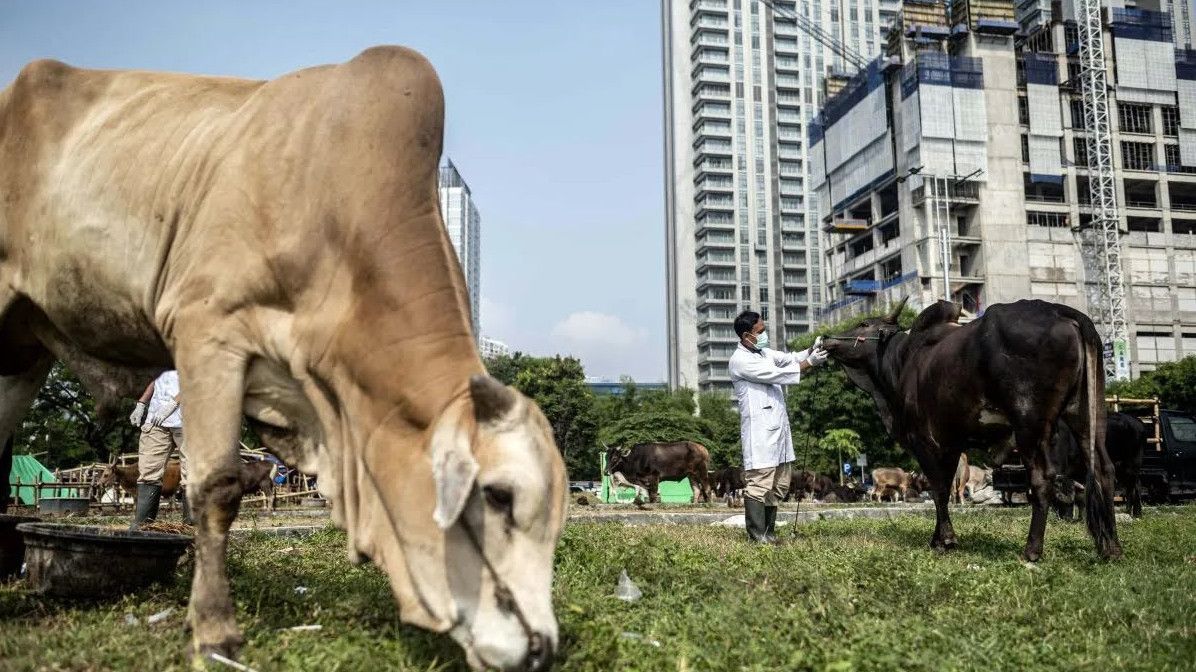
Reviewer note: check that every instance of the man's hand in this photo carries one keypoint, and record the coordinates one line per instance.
(138, 415)
(160, 417)
(817, 356)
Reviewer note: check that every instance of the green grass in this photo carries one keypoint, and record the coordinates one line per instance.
(846, 595)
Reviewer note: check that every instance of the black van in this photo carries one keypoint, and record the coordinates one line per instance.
(1169, 470)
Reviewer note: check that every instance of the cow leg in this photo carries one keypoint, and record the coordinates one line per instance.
(17, 393)
(940, 474)
(212, 384)
(653, 486)
(1033, 448)
(1128, 478)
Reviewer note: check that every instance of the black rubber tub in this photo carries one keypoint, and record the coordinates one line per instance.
(12, 545)
(77, 561)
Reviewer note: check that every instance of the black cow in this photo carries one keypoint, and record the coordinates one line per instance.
(806, 484)
(647, 464)
(1005, 378)
(1125, 440)
(729, 483)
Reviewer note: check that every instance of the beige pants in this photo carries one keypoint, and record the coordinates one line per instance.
(153, 451)
(769, 484)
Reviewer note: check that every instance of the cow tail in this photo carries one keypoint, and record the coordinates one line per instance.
(1102, 521)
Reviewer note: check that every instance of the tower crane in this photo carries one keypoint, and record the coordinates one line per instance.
(1103, 245)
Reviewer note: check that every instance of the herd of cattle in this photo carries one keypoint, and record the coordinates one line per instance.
(644, 466)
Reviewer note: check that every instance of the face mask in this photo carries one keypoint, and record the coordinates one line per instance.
(762, 340)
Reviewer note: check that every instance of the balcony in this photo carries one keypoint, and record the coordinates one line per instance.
(712, 5)
(789, 153)
(785, 44)
(712, 91)
(714, 202)
(712, 56)
(788, 82)
(711, 73)
(861, 287)
(711, 146)
(710, 38)
(713, 20)
(712, 260)
(712, 129)
(787, 64)
(716, 221)
(714, 166)
(714, 184)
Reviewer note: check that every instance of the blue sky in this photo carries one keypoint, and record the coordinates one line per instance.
(553, 117)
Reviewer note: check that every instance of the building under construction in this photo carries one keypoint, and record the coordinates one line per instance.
(957, 165)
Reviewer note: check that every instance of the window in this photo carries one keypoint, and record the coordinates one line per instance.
(1134, 118)
(1025, 148)
(1137, 155)
(1055, 220)
(1183, 429)
(1170, 120)
(1155, 346)
(1077, 114)
(1079, 148)
(1023, 110)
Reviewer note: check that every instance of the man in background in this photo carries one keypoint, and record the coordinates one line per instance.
(161, 421)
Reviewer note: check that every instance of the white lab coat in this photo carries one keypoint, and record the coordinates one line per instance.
(763, 422)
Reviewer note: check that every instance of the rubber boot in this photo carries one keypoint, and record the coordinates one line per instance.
(770, 525)
(187, 508)
(753, 514)
(148, 497)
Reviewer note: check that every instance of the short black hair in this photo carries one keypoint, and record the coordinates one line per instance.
(745, 322)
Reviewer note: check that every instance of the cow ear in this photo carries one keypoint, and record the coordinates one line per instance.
(454, 471)
(491, 399)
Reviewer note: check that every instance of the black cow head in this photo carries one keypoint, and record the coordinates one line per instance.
(614, 458)
(857, 347)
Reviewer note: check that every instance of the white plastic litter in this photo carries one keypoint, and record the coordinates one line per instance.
(230, 662)
(131, 620)
(301, 590)
(627, 634)
(160, 616)
(626, 590)
(306, 628)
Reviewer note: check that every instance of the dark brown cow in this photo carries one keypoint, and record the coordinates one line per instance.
(729, 483)
(1126, 438)
(808, 485)
(647, 464)
(258, 476)
(1004, 378)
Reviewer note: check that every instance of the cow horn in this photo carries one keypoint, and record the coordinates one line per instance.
(896, 313)
(491, 399)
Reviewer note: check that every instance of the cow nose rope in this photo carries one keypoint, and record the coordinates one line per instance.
(503, 596)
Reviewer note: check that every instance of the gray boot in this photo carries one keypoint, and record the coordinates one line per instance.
(754, 517)
(770, 525)
(148, 497)
(187, 508)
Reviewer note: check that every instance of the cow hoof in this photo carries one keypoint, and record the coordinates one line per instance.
(943, 545)
(227, 648)
(1031, 556)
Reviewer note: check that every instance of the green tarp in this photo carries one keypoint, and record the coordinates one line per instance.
(671, 492)
(27, 471)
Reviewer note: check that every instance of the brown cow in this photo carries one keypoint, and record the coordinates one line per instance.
(961, 479)
(126, 477)
(889, 482)
(258, 476)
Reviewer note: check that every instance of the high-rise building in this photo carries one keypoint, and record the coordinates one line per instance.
(741, 84)
(1034, 13)
(464, 225)
(490, 347)
(961, 169)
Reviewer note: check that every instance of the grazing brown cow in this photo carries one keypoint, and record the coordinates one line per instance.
(808, 485)
(126, 477)
(889, 482)
(961, 479)
(729, 484)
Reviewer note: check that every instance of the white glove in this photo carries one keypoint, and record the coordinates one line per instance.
(817, 343)
(817, 356)
(138, 415)
(161, 416)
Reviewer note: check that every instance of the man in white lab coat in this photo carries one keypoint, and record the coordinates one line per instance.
(757, 374)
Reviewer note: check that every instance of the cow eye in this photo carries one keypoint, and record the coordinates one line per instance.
(499, 498)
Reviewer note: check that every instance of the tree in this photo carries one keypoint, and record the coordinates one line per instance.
(62, 427)
(557, 385)
(719, 412)
(1174, 383)
(834, 448)
(654, 426)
